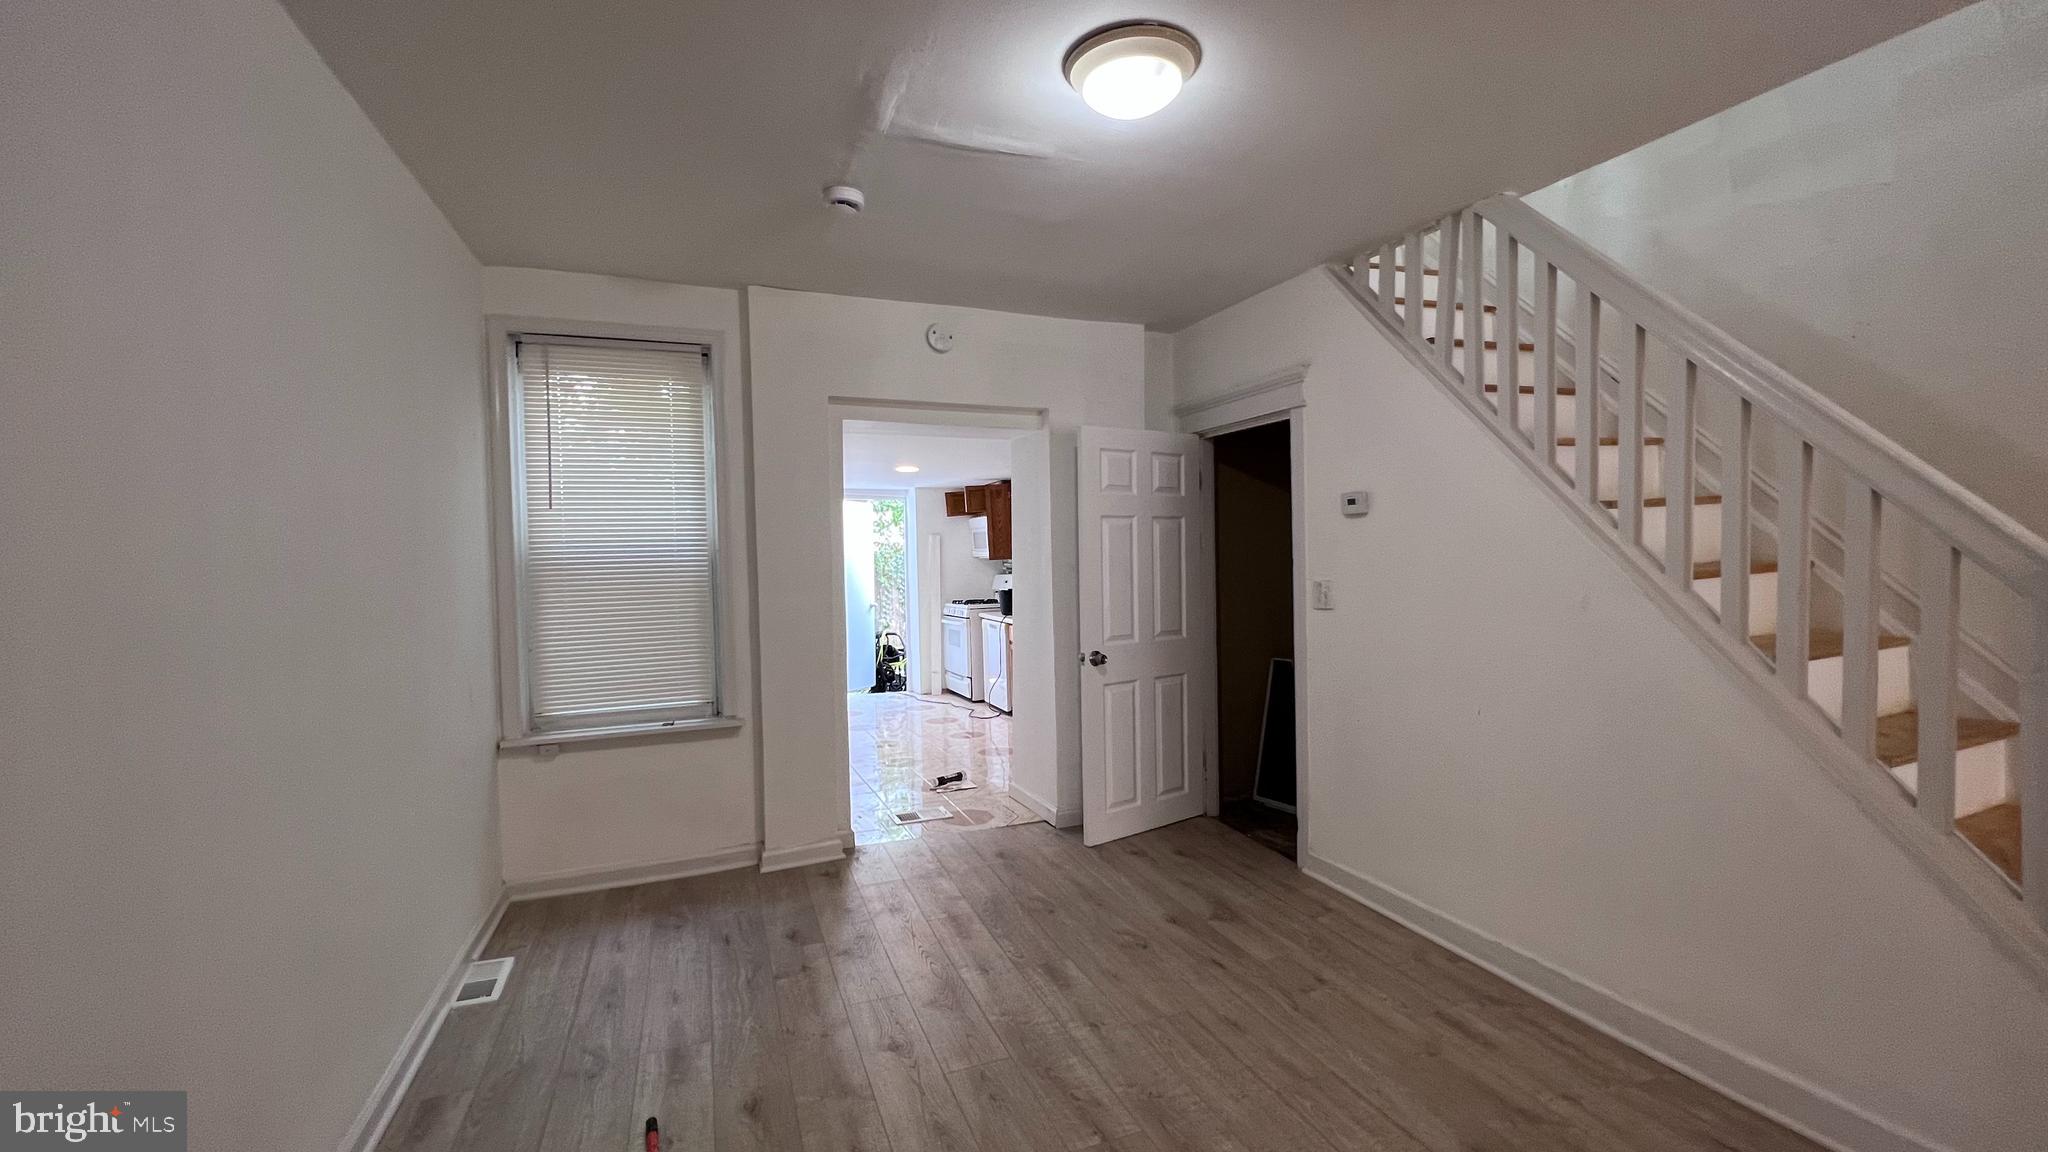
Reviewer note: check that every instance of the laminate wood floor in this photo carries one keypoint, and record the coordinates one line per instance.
(1012, 990)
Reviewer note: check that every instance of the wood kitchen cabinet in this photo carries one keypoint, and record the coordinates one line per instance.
(991, 525)
(999, 521)
(988, 506)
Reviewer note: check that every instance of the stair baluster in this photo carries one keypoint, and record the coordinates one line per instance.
(1737, 457)
(1934, 678)
(1861, 531)
(1390, 287)
(1546, 361)
(1449, 298)
(1795, 599)
(1507, 278)
(1586, 335)
(1679, 415)
(1629, 402)
(1934, 711)
(1475, 298)
(2030, 760)
(1417, 288)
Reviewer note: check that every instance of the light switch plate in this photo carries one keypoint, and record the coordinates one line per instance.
(1356, 503)
(1319, 595)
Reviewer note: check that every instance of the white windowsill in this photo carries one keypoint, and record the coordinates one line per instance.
(623, 732)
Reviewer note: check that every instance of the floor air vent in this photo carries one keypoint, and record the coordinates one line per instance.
(484, 981)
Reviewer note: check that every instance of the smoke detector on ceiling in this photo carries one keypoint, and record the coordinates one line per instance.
(846, 198)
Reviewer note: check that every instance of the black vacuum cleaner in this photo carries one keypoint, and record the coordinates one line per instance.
(890, 663)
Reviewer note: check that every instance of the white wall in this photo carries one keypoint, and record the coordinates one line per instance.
(809, 349)
(928, 642)
(1504, 728)
(248, 687)
(1045, 765)
(1877, 228)
(628, 803)
(1160, 394)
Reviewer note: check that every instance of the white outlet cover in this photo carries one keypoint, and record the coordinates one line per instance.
(939, 339)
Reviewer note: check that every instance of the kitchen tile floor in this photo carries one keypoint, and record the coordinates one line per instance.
(899, 741)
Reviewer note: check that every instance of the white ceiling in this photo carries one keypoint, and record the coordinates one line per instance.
(688, 140)
(945, 457)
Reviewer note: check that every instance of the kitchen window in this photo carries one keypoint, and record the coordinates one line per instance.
(609, 561)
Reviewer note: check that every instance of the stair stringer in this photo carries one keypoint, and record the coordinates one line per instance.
(1947, 859)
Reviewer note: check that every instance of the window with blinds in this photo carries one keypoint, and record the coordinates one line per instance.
(616, 538)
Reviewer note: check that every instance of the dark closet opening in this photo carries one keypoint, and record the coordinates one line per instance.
(1255, 633)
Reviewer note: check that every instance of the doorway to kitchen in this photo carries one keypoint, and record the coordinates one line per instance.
(928, 520)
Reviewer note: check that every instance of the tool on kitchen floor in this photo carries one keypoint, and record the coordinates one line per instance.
(952, 782)
(653, 1135)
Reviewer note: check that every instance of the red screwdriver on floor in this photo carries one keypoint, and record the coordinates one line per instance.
(653, 1135)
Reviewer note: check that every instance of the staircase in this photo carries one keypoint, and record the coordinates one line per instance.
(1896, 622)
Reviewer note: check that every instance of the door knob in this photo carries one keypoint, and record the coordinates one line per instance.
(1096, 659)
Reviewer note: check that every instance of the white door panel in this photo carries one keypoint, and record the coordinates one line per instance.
(1145, 627)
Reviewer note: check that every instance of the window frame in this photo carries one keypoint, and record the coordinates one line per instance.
(518, 726)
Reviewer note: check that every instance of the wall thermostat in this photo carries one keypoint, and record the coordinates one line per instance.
(939, 339)
(1356, 503)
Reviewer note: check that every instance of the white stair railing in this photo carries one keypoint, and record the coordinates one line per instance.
(1432, 291)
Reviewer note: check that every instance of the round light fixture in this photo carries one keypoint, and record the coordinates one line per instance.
(1129, 71)
(906, 468)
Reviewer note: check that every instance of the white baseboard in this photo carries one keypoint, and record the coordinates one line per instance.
(598, 879)
(1057, 817)
(1804, 1107)
(1045, 811)
(821, 852)
(383, 1102)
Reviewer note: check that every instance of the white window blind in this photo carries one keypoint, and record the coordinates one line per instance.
(617, 543)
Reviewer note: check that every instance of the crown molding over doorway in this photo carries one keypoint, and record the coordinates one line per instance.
(1278, 391)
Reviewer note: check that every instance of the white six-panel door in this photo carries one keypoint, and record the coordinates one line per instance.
(1146, 681)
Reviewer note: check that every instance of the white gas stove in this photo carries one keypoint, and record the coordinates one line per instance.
(963, 645)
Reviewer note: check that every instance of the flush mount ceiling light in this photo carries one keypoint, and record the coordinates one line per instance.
(1129, 71)
(906, 468)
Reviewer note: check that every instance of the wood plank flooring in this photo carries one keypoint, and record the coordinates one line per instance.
(1012, 990)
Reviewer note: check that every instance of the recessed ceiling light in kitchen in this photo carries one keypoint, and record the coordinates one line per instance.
(1129, 71)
